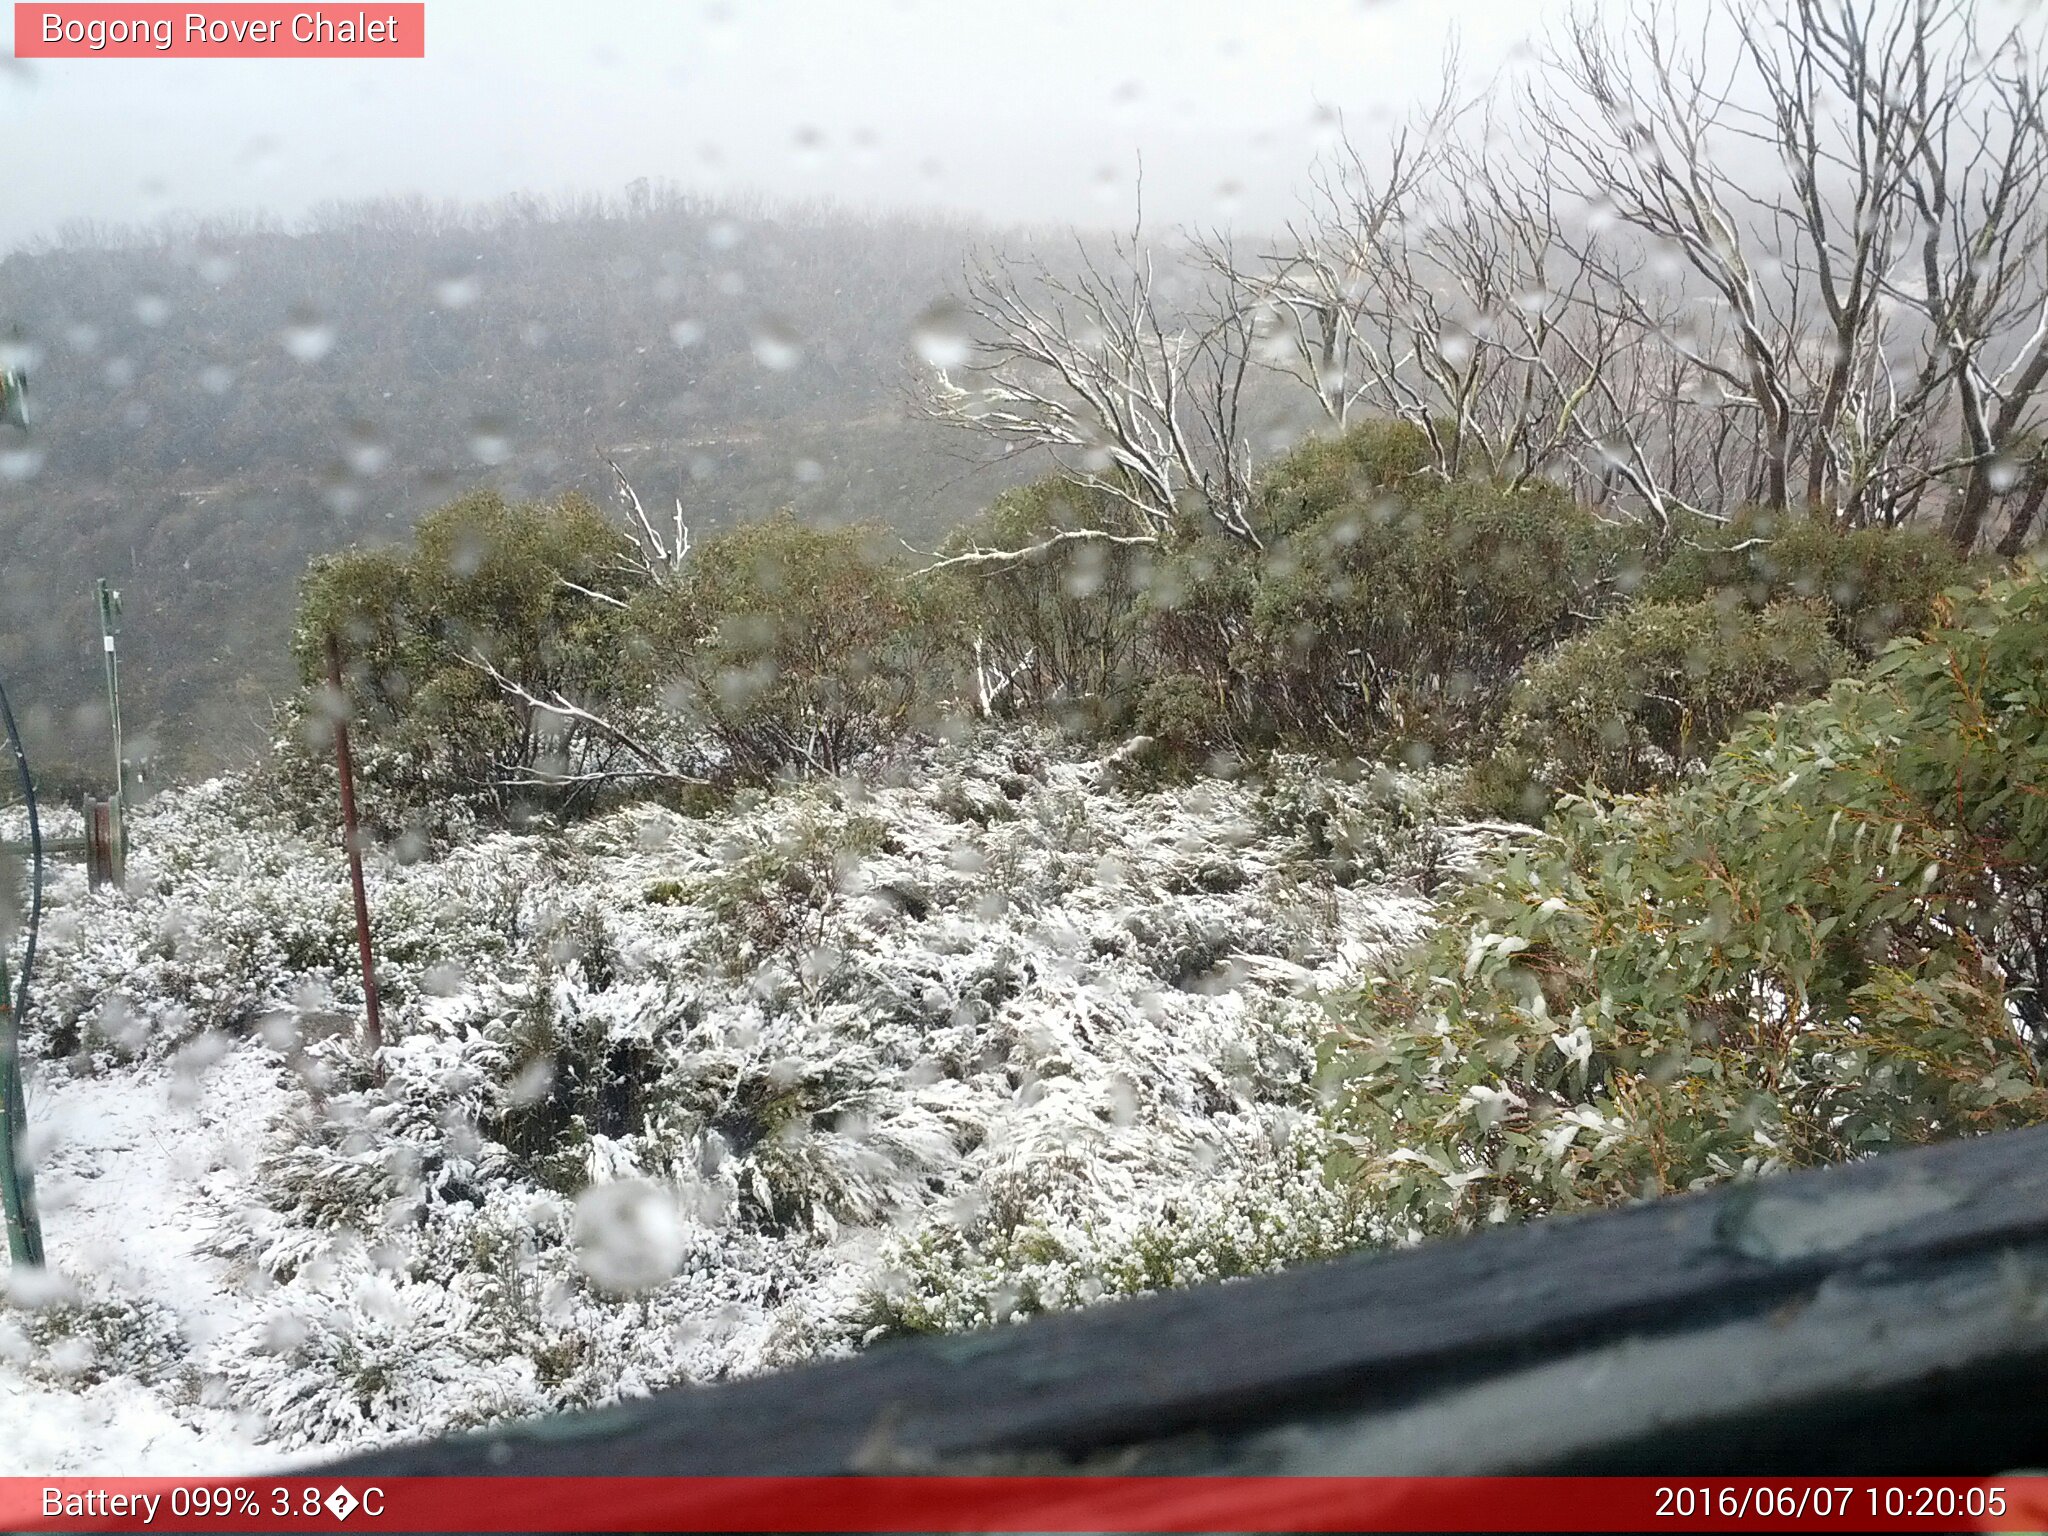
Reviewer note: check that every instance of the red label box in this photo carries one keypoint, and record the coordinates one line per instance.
(238, 31)
(1041, 1504)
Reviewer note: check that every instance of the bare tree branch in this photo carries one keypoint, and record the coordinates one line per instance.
(654, 764)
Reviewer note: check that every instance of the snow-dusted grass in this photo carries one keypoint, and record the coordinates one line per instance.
(677, 1097)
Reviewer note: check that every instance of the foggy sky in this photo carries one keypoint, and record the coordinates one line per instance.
(1032, 112)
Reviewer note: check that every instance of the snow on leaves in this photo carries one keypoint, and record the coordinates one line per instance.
(674, 1097)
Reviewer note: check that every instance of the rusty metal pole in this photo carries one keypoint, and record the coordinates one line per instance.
(99, 843)
(351, 833)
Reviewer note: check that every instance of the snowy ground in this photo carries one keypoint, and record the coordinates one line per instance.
(127, 1173)
(676, 1098)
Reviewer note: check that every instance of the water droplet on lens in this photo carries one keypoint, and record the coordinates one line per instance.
(307, 337)
(488, 443)
(776, 345)
(629, 1235)
(366, 456)
(940, 334)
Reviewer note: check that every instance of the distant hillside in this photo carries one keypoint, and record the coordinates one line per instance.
(213, 407)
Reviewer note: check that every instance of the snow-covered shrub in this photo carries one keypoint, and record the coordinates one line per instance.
(970, 1269)
(375, 1155)
(1367, 824)
(662, 1092)
(77, 1340)
(366, 1352)
(775, 889)
(233, 917)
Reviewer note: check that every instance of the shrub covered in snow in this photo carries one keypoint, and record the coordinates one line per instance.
(672, 1096)
(991, 1264)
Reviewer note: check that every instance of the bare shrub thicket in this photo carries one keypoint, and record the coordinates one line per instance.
(1786, 257)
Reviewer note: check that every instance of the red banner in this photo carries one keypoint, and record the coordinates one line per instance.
(1024, 1504)
(242, 31)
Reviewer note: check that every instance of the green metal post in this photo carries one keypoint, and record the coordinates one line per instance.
(110, 626)
(17, 1182)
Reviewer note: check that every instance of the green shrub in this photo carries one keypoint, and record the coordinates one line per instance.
(1386, 605)
(1053, 632)
(1829, 942)
(775, 647)
(1326, 473)
(1193, 618)
(791, 647)
(1272, 634)
(1408, 616)
(486, 581)
(1179, 712)
(1875, 582)
(1657, 687)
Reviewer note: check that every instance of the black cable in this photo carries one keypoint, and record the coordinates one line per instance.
(21, 1184)
(35, 855)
